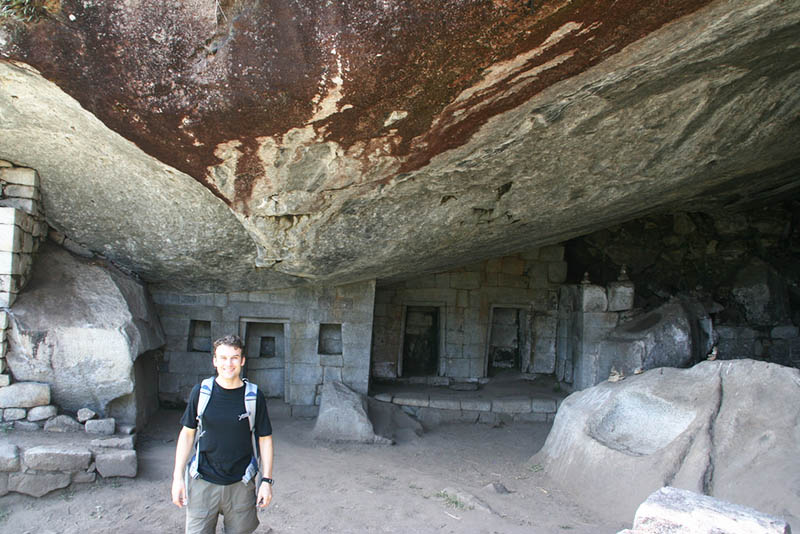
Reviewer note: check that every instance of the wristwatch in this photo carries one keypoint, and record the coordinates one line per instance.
(267, 480)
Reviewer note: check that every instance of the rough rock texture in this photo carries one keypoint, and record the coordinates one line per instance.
(676, 511)
(57, 458)
(74, 308)
(669, 336)
(116, 463)
(37, 484)
(343, 416)
(25, 395)
(353, 139)
(63, 423)
(696, 429)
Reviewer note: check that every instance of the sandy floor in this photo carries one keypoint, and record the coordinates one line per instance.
(338, 488)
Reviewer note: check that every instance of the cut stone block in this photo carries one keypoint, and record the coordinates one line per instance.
(57, 458)
(41, 413)
(14, 414)
(126, 442)
(37, 484)
(27, 205)
(620, 296)
(20, 176)
(512, 405)
(21, 191)
(63, 423)
(679, 511)
(10, 238)
(477, 405)
(9, 457)
(593, 298)
(3, 484)
(116, 463)
(84, 414)
(25, 395)
(101, 426)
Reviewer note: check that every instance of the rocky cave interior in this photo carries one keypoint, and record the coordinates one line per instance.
(328, 182)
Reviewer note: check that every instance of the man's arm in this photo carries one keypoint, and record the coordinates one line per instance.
(182, 453)
(265, 489)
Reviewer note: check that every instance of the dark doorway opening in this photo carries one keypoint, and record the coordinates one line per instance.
(505, 340)
(265, 347)
(421, 341)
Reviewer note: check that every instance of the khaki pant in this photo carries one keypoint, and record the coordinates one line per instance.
(236, 502)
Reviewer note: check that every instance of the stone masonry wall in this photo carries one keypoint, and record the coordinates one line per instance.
(22, 229)
(587, 313)
(527, 281)
(345, 309)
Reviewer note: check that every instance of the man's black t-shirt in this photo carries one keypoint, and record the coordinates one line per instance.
(225, 447)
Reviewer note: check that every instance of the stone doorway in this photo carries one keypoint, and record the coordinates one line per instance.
(265, 350)
(509, 341)
(421, 341)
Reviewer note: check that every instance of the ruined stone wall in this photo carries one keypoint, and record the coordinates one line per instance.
(466, 298)
(743, 264)
(323, 333)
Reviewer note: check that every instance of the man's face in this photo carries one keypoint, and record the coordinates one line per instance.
(228, 361)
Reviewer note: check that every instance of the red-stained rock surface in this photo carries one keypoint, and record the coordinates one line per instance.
(345, 141)
(178, 79)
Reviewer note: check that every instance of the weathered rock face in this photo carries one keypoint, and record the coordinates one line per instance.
(672, 335)
(695, 429)
(352, 140)
(79, 327)
(343, 416)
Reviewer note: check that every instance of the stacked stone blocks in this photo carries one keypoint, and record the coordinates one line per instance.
(450, 408)
(40, 469)
(587, 313)
(465, 297)
(302, 311)
(22, 228)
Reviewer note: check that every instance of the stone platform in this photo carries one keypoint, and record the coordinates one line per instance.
(524, 398)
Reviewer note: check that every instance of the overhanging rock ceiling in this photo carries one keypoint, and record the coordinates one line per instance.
(259, 144)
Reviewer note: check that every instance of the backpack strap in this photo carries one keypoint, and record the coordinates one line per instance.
(206, 387)
(250, 398)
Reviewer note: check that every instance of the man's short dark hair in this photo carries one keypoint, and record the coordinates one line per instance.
(231, 340)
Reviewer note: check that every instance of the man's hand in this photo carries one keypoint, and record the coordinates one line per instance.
(264, 495)
(179, 492)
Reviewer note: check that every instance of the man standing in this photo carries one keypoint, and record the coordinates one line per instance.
(225, 450)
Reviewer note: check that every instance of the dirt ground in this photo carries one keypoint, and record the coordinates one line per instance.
(434, 483)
